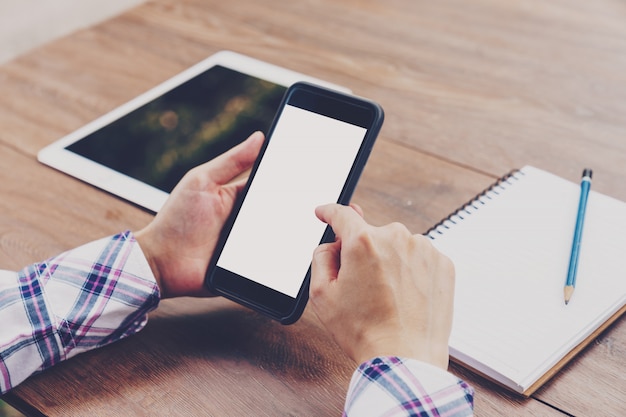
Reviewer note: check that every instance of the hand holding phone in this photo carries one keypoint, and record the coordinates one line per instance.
(314, 154)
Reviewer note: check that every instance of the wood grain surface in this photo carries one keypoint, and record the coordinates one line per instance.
(470, 90)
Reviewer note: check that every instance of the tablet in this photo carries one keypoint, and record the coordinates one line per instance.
(140, 150)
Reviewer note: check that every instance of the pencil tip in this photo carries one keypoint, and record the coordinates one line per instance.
(567, 292)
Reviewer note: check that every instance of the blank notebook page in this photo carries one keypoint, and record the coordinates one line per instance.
(511, 251)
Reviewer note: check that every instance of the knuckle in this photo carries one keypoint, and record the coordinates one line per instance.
(364, 239)
(398, 229)
(315, 289)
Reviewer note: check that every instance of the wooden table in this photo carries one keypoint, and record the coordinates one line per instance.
(470, 89)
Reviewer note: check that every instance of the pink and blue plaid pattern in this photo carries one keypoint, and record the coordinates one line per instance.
(82, 299)
(391, 386)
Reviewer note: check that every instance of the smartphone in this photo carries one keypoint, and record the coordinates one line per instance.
(314, 154)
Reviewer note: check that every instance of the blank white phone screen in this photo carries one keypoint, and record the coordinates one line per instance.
(305, 165)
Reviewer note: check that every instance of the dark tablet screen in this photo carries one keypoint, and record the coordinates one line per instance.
(196, 121)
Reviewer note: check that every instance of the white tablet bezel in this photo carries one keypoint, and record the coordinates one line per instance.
(57, 156)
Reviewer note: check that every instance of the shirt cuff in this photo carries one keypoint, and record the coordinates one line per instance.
(393, 386)
(82, 299)
(101, 292)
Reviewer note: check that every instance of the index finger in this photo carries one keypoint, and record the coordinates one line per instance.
(340, 218)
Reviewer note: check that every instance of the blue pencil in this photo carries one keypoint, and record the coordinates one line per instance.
(585, 184)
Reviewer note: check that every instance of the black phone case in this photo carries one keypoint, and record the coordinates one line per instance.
(346, 194)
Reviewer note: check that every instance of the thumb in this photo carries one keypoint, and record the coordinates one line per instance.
(235, 161)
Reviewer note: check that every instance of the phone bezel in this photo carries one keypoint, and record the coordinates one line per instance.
(330, 103)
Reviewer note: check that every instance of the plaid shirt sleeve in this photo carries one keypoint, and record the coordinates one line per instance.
(80, 300)
(391, 386)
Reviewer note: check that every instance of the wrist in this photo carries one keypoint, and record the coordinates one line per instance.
(143, 240)
(433, 353)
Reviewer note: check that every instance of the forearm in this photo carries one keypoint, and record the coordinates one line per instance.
(391, 386)
(80, 300)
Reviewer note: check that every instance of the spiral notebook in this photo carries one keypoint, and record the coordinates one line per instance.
(511, 248)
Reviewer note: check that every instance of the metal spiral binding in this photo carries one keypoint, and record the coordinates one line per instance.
(474, 204)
